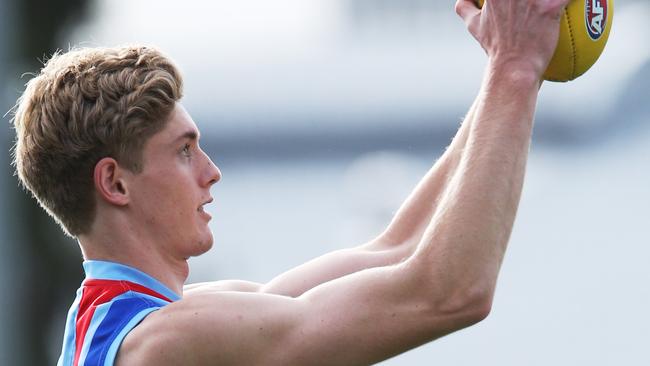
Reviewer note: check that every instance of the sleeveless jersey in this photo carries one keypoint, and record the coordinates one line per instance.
(112, 300)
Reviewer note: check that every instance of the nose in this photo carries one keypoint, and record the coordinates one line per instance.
(212, 174)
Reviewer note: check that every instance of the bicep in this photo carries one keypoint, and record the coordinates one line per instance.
(357, 319)
(370, 316)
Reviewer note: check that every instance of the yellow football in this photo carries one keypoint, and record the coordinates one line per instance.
(584, 31)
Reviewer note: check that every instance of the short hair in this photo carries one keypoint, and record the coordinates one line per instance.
(84, 105)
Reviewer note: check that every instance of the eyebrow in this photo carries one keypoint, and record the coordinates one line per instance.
(189, 135)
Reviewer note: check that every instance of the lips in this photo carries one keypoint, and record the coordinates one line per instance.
(204, 203)
(201, 210)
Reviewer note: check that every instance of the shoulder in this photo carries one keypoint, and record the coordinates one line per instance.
(209, 327)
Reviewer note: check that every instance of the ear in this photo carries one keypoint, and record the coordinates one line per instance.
(110, 183)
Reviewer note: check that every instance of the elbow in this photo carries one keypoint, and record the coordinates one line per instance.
(450, 304)
(481, 310)
(464, 308)
(472, 307)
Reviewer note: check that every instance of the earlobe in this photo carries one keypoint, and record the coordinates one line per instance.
(109, 182)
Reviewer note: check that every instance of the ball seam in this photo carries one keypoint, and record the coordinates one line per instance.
(573, 45)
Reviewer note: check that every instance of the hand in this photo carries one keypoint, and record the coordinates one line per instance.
(517, 35)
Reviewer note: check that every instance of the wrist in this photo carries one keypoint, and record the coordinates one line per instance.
(516, 73)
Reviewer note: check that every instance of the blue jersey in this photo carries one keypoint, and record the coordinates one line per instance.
(112, 300)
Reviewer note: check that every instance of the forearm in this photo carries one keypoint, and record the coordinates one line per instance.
(396, 244)
(413, 217)
(467, 237)
(334, 265)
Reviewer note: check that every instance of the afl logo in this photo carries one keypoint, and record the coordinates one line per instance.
(595, 17)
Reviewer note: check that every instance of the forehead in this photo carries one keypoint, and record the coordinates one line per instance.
(179, 125)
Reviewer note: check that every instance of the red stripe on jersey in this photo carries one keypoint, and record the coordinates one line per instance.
(98, 292)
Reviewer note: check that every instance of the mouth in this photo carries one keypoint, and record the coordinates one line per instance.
(201, 209)
(205, 203)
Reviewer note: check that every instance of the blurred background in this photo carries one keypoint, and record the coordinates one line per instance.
(322, 116)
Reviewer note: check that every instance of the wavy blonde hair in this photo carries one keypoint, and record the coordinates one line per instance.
(84, 105)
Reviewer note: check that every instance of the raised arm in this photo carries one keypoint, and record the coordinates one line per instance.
(373, 314)
(396, 244)
(447, 284)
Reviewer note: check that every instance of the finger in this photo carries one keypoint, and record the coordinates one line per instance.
(467, 9)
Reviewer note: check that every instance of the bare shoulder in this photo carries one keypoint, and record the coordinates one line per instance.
(213, 327)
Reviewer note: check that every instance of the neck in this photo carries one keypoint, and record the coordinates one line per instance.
(138, 253)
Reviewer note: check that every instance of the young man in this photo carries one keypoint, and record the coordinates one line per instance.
(106, 148)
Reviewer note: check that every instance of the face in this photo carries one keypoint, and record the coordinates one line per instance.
(169, 195)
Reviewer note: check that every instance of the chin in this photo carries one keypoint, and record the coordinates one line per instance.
(204, 244)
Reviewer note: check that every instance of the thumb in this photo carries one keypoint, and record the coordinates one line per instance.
(467, 10)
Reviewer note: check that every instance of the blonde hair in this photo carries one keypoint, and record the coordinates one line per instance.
(84, 105)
